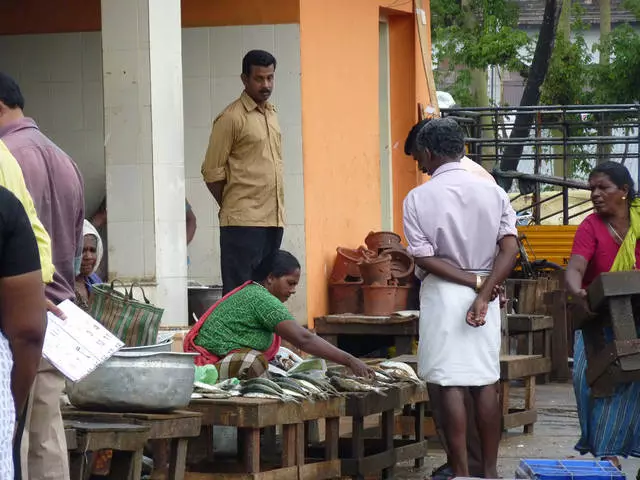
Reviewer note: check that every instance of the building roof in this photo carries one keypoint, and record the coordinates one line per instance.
(531, 12)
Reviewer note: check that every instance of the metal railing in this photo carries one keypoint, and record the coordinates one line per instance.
(556, 153)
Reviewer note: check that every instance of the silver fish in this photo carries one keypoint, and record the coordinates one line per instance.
(289, 384)
(261, 388)
(390, 365)
(263, 381)
(351, 385)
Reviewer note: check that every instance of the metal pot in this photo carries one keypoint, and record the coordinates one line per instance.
(164, 346)
(137, 382)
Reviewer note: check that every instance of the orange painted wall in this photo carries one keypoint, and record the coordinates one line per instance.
(53, 16)
(340, 125)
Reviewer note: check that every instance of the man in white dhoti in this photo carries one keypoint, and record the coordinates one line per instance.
(452, 224)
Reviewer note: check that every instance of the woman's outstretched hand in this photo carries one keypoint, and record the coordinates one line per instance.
(359, 368)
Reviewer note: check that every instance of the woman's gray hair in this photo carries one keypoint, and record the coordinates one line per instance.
(443, 137)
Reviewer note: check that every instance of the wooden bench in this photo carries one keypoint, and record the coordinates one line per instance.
(126, 440)
(174, 428)
(530, 328)
(525, 368)
(251, 416)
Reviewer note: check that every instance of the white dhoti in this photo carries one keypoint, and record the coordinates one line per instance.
(451, 352)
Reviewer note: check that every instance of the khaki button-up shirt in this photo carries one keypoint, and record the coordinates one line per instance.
(245, 151)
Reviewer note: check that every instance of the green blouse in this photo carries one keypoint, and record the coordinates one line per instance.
(247, 319)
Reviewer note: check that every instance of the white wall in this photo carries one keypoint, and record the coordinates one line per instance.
(61, 78)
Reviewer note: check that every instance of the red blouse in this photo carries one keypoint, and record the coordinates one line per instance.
(594, 242)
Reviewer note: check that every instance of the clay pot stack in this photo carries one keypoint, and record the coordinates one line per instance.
(373, 280)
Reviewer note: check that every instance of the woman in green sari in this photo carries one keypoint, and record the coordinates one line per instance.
(243, 331)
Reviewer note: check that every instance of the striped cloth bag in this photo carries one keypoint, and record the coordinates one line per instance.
(133, 322)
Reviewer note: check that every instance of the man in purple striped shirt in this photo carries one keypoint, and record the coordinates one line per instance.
(57, 189)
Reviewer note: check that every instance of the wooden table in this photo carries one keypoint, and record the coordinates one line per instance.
(403, 330)
(362, 457)
(176, 428)
(126, 440)
(250, 416)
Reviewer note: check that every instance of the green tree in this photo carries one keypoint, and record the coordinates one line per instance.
(472, 35)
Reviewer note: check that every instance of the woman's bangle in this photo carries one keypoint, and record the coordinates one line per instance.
(479, 282)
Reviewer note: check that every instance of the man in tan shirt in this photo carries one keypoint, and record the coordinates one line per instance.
(243, 171)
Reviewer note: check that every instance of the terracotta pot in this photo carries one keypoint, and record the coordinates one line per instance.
(402, 265)
(376, 271)
(402, 298)
(378, 241)
(346, 265)
(379, 299)
(345, 298)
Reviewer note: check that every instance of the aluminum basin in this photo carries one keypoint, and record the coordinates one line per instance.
(137, 382)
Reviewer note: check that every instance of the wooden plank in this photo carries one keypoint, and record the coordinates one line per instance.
(519, 419)
(610, 284)
(252, 449)
(409, 329)
(177, 424)
(99, 436)
(405, 425)
(357, 437)
(419, 423)
(332, 437)
(557, 306)
(529, 399)
(313, 471)
(514, 367)
(178, 458)
(387, 425)
(301, 444)
(259, 413)
(528, 323)
(288, 445)
(369, 465)
(411, 450)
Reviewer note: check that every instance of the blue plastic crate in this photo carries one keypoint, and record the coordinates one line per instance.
(544, 469)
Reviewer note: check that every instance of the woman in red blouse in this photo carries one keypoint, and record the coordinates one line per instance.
(605, 241)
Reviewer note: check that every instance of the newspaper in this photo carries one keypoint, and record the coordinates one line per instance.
(77, 345)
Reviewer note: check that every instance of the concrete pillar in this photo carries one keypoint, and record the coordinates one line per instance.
(144, 149)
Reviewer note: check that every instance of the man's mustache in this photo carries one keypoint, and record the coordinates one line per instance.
(265, 90)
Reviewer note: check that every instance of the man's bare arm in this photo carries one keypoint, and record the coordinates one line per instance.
(22, 307)
(502, 266)
(216, 189)
(446, 271)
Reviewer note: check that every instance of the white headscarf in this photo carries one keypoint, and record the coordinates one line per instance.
(88, 229)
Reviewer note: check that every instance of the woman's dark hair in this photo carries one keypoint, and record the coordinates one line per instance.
(257, 58)
(618, 174)
(279, 264)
